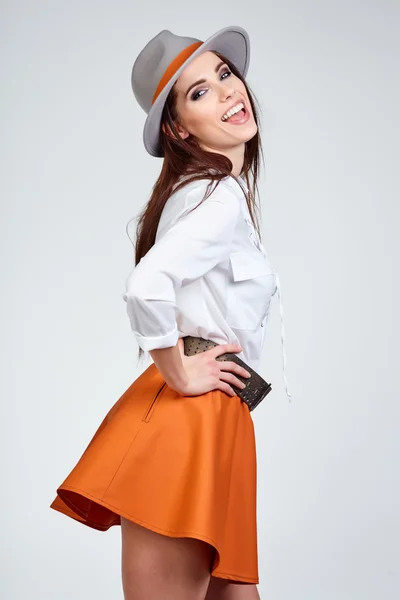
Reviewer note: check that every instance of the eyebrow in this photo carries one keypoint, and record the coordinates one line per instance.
(217, 68)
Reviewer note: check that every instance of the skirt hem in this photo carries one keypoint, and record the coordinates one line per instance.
(172, 533)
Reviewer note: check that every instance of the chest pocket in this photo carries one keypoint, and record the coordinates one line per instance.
(252, 285)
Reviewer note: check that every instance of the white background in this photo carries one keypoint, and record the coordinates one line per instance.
(74, 172)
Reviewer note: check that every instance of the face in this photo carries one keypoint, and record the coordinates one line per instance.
(201, 106)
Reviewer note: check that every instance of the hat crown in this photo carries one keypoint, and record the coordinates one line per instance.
(153, 61)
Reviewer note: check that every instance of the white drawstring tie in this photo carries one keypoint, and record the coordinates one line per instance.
(278, 286)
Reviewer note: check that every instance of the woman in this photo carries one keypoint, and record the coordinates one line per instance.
(174, 460)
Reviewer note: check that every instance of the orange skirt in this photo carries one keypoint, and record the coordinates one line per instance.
(182, 466)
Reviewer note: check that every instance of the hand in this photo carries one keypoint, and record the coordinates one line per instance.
(205, 373)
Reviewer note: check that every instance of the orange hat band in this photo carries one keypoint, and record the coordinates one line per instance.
(174, 66)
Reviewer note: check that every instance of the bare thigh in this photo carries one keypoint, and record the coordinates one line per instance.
(161, 567)
(221, 589)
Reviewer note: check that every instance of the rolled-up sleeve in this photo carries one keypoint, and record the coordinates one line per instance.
(191, 247)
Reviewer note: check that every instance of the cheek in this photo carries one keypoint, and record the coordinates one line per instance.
(202, 117)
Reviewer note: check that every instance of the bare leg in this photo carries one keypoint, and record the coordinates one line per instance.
(221, 589)
(161, 567)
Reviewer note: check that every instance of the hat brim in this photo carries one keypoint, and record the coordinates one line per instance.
(232, 42)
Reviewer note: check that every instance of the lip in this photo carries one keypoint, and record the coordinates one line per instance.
(245, 118)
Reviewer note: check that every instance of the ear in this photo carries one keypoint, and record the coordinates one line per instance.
(181, 130)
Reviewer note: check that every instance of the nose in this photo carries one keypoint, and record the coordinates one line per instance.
(226, 91)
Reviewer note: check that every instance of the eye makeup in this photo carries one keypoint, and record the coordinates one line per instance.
(195, 95)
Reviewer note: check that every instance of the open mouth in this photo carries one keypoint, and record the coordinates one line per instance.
(237, 117)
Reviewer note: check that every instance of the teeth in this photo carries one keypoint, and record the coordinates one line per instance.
(233, 111)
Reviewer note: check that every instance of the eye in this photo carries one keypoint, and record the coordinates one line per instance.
(227, 73)
(196, 95)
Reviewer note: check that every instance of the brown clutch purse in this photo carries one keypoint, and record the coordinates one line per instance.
(256, 387)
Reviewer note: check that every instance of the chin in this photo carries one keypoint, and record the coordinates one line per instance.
(249, 132)
(252, 134)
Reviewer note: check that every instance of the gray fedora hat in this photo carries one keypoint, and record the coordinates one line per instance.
(163, 59)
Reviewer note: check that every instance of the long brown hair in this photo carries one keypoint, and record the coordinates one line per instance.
(185, 157)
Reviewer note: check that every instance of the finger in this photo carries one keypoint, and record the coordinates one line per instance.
(226, 376)
(229, 365)
(225, 387)
(223, 348)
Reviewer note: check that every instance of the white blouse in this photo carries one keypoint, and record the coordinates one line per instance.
(207, 275)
